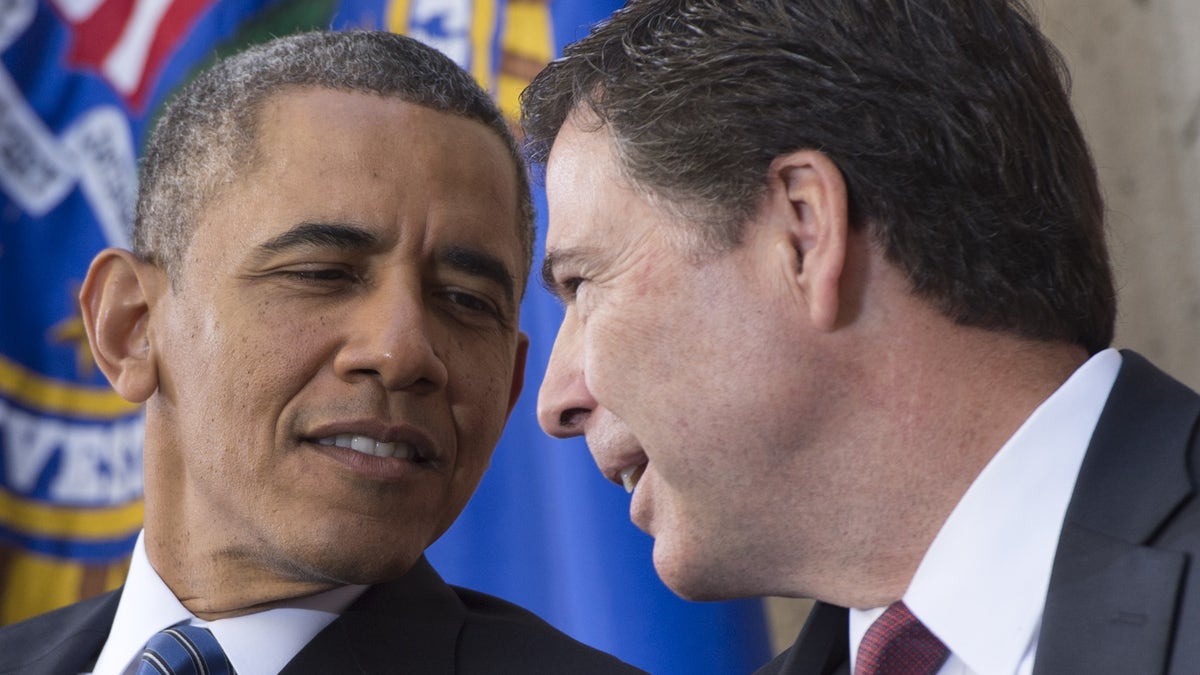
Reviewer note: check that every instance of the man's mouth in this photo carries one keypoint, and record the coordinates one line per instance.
(631, 476)
(369, 446)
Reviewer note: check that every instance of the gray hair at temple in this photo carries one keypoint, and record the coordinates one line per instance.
(207, 134)
(949, 120)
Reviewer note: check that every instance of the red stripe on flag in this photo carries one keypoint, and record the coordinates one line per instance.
(95, 36)
(178, 20)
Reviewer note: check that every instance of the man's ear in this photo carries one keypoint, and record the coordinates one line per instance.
(115, 301)
(817, 221)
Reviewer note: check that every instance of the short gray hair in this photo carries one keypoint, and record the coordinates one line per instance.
(208, 131)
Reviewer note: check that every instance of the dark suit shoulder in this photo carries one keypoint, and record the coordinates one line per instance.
(64, 641)
(420, 624)
(776, 665)
(500, 637)
(821, 649)
(1123, 594)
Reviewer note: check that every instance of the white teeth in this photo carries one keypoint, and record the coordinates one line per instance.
(369, 446)
(631, 476)
(362, 444)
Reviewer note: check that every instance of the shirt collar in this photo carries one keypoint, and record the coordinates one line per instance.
(992, 558)
(263, 642)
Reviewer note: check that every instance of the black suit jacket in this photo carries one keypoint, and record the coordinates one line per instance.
(1124, 593)
(416, 624)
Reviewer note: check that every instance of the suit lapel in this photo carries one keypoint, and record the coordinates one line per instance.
(408, 625)
(1112, 601)
(64, 642)
(1110, 608)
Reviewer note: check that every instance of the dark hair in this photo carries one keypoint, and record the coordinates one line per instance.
(949, 120)
(208, 131)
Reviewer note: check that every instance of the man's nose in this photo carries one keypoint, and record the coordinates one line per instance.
(389, 338)
(564, 401)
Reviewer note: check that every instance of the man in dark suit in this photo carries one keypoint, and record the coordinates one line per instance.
(838, 313)
(320, 313)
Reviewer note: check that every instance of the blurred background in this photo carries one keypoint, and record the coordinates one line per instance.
(80, 84)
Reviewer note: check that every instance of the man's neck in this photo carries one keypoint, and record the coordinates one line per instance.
(213, 585)
(946, 399)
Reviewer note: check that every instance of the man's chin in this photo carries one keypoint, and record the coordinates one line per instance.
(704, 591)
(690, 578)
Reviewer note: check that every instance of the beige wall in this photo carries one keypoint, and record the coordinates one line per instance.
(1136, 67)
(1136, 71)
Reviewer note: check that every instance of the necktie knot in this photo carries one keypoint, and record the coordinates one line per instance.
(899, 644)
(184, 650)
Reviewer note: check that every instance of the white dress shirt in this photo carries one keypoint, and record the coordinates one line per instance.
(263, 642)
(982, 584)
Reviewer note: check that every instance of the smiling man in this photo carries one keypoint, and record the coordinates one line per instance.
(320, 314)
(838, 310)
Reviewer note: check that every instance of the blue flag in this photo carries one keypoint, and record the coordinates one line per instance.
(79, 87)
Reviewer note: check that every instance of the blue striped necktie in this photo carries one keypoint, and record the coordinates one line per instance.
(184, 650)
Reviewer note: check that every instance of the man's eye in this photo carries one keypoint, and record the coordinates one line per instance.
(568, 288)
(320, 274)
(472, 302)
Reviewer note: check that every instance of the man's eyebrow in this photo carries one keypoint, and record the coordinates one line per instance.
(477, 263)
(554, 259)
(321, 235)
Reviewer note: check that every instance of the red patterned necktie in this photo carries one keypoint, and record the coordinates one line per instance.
(899, 644)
